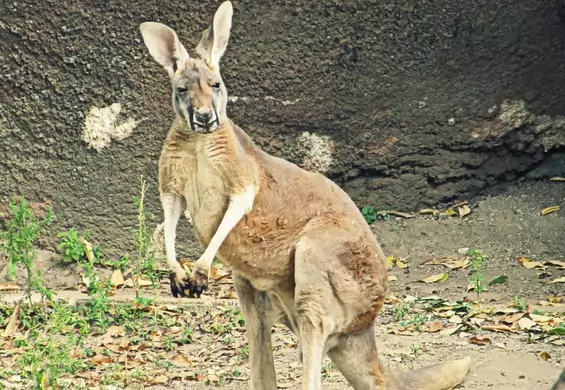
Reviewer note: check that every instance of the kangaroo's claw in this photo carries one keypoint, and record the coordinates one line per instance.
(198, 282)
(179, 285)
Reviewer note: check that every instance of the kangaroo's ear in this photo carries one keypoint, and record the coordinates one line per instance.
(164, 46)
(214, 41)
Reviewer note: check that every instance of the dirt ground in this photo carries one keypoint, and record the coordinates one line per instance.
(505, 224)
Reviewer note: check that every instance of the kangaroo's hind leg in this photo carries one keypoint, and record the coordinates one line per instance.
(257, 311)
(314, 304)
(339, 287)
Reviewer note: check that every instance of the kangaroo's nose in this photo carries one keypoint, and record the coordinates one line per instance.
(203, 118)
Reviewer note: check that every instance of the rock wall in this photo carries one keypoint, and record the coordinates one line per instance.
(403, 103)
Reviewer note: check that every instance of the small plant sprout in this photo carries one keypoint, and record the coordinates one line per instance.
(476, 278)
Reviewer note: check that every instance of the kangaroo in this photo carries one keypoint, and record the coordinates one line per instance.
(560, 383)
(299, 249)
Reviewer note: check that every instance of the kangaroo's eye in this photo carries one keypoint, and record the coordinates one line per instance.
(216, 85)
(182, 91)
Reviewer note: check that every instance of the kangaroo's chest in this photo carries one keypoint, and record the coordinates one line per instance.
(207, 198)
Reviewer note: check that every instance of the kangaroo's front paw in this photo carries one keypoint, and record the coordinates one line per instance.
(198, 281)
(179, 284)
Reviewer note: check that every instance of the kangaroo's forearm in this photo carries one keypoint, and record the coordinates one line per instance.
(240, 204)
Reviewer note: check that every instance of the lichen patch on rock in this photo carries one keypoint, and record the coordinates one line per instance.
(101, 127)
(514, 115)
(319, 151)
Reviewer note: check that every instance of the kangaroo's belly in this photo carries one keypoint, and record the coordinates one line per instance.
(261, 247)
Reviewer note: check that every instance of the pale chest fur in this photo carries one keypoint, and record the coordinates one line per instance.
(206, 195)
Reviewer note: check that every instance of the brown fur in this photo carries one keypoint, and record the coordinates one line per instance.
(302, 254)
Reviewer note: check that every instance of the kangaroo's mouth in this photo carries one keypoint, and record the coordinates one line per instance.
(203, 123)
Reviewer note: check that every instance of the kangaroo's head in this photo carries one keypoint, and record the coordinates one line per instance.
(199, 95)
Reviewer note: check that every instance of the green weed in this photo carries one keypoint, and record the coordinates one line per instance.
(369, 214)
(18, 241)
(400, 311)
(145, 264)
(520, 304)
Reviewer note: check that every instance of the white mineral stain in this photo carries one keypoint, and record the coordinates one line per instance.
(319, 151)
(101, 127)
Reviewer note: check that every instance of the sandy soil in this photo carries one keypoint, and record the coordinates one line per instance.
(504, 224)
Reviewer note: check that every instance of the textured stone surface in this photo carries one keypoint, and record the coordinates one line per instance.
(413, 104)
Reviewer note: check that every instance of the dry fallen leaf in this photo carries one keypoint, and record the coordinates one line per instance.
(533, 264)
(525, 323)
(453, 262)
(435, 326)
(390, 260)
(88, 250)
(218, 272)
(455, 319)
(116, 331)
(463, 210)
(401, 264)
(399, 332)
(181, 360)
(509, 310)
(528, 263)
(433, 261)
(140, 347)
(512, 318)
(558, 280)
(113, 347)
(496, 328)
(544, 356)
(158, 380)
(124, 344)
(557, 178)
(395, 213)
(100, 359)
(85, 280)
(540, 318)
(140, 282)
(436, 278)
(444, 314)
(156, 335)
(393, 259)
(450, 331)
(547, 303)
(554, 299)
(392, 278)
(428, 211)
(551, 209)
(549, 327)
(477, 321)
(464, 263)
(480, 340)
(117, 279)
(560, 264)
(13, 322)
(9, 287)
(450, 212)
